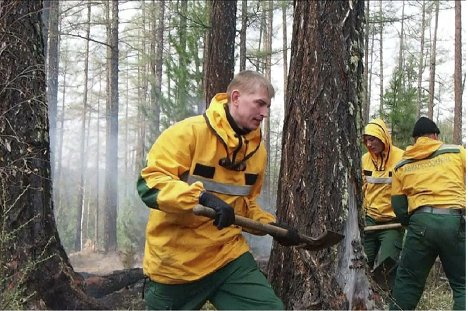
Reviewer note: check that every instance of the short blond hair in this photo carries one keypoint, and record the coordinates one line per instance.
(249, 81)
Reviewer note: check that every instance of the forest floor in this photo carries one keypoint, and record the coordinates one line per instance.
(94, 265)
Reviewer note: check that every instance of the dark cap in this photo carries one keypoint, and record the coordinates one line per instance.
(425, 126)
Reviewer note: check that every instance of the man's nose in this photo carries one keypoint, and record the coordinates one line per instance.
(265, 111)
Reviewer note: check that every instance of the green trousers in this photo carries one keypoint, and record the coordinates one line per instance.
(381, 244)
(240, 285)
(428, 236)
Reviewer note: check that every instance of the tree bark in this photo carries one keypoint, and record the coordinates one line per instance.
(31, 253)
(319, 179)
(457, 77)
(221, 41)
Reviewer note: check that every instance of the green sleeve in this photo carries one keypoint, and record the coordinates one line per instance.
(400, 207)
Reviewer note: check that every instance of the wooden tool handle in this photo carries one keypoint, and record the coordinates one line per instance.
(382, 227)
(244, 222)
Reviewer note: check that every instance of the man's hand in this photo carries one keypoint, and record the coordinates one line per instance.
(224, 212)
(291, 239)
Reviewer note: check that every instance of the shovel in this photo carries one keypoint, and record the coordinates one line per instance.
(325, 240)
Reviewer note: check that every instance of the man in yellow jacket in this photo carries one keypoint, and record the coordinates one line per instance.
(216, 159)
(429, 186)
(382, 247)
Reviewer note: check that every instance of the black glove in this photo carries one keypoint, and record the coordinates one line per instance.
(224, 212)
(403, 219)
(291, 239)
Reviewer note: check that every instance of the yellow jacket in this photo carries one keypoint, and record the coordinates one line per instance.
(377, 173)
(184, 160)
(430, 173)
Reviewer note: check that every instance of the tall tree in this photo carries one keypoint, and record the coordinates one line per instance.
(381, 76)
(457, 78)
(52, 74)
(156, 64)
(319, 178)
(430, 110)
(80, 201)
(112, 130)
(421, 58)
(267, 51)
(243, 36)
(284, 6)
(219, 69)
(366, 102)
(32, 258)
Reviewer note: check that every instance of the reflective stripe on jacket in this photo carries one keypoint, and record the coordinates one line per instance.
(184, 160)
(431, 173)
(377, 174)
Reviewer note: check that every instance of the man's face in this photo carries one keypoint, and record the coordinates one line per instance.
(373, 144)
(249, 108)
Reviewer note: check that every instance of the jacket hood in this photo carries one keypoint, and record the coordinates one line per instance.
(423, 148)
(377, 128)
(217, 119)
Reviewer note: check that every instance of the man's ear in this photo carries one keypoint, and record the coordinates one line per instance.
(235, 94)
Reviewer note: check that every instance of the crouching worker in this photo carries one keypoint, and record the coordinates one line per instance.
(382, 247)
(216, 159)
(429, 185)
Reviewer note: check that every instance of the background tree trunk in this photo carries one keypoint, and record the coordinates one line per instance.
(381, 24)
(267, 50)
(430, 108)
(112, 132)
(243, 37)
(31, 254)
(221, 40)
(457, 78)
(80, 201)
(320, 165)
(52, 76)
(421, 63)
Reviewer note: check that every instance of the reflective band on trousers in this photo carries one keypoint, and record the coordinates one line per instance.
(215, 186)
(379, 180)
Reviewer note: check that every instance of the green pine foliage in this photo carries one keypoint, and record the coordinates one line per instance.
(184, 66)
(400, 104)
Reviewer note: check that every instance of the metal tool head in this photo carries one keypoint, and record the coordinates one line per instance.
(327, 239)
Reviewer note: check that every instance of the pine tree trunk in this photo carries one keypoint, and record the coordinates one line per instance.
(285, 50)
(430, 108)
(267, 50)
(319, 179)
(402, 38)
(457, 77)
(381, 107)
(243, 37)
(81, 155)
(52, 76)
(31, 254)
(366, 102)
(112, 131)
(421, 59)
(220, 62)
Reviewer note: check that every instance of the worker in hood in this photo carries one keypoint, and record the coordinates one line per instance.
(429, 186)
(218, 160)
(382, 247)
